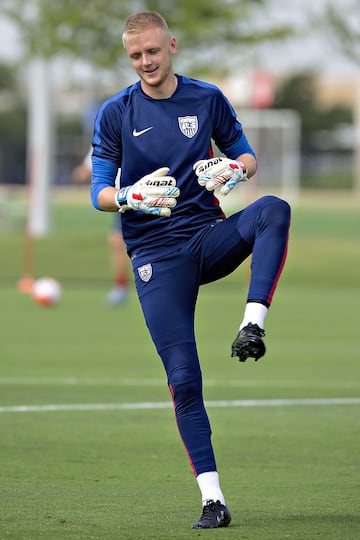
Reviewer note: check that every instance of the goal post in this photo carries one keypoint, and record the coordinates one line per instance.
(275, 136)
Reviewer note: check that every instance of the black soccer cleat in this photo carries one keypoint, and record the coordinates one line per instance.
(248, 343)
(214, 515)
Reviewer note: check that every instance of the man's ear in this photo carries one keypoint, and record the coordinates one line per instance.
(173, 46)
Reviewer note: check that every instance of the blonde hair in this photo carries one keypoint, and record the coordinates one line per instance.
(139, 21)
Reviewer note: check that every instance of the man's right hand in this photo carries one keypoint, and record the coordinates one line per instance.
(154, 194)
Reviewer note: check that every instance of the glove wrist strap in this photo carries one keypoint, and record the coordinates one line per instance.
(120, 198)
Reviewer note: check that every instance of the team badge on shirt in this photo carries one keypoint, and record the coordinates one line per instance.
(145, 272)
(188, 125)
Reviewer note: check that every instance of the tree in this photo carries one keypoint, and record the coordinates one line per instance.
(323, 164)
(344, 27)
(299, 93)
(12, 128)
(7, 79)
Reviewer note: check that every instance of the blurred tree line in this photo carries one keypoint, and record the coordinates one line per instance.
(206, 29)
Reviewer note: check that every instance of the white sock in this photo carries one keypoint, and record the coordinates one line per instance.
(255, 313)
(210, 487)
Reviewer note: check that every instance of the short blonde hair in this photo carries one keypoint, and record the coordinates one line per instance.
(139, 21)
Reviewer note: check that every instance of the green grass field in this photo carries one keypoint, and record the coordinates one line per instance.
(89, 447)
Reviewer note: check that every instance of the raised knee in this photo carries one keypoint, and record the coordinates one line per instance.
(277, 210)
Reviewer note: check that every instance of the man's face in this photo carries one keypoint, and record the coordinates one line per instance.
(150, 54)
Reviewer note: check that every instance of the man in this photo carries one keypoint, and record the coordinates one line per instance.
(175, 231)
(118, 293)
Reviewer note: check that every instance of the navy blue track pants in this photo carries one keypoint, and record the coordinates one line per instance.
(168, 298)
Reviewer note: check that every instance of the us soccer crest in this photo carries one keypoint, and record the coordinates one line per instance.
(145, 272)
(188, 125)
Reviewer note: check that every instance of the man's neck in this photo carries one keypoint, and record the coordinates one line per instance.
(165, 91)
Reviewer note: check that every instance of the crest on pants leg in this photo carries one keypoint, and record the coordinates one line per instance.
(145, 272)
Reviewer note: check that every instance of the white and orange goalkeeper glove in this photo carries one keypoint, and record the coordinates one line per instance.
(154, 194)
(220, 171)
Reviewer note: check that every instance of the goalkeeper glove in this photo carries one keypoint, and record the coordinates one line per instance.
(153, 194)
(220, 171)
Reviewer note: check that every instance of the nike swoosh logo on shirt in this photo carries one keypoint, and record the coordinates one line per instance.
(138, 133)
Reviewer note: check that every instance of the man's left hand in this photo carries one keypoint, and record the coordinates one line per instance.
(220, 171)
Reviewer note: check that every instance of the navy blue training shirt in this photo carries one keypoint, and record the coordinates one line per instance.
(140, 134)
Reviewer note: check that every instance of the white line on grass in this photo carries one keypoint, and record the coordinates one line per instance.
(152, 382)
(81, 381)
(167, 405)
